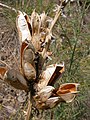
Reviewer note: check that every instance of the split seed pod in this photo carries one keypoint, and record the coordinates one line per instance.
(52, 102)
(22, 26)
(50, 75)
(44, 94)
(35, 22)
(67, 91)
(15, 79)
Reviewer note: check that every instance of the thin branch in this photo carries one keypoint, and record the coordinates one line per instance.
(5, 64)
(28, 4)
(6, 6)
(56, 16)
(29, 110)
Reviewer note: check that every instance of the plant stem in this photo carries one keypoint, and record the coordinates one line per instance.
(29, 110)
(6, 6)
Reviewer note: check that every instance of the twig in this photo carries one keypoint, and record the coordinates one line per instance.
(56, 16)
(29, 110)
(51, 115)
(28, 3)
(5, 64)
(6, 6)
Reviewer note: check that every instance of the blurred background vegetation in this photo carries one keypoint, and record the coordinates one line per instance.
(72, 46)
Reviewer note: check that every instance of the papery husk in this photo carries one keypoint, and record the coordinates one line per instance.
(43, 17)
(23, 46)
(50, 75)
(67, 97)
(49, 104)
(16, 79)
(68, 87)
(28, 22)
(28, 54)
(44, 94)
(22, 26)
(3, 70)
(52, 102)
(36, 42)
(45, 20)
(68, 91)
(35, 22)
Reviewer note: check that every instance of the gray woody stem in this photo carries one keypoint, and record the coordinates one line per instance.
(29, 110)
(6, 6)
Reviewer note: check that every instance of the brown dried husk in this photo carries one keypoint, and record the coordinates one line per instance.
(67, 91)
(44, 94)
(50, 75)
(16, 79)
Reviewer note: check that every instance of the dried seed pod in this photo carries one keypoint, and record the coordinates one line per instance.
(3, 70)
(67, 91)
(52, 102)
(23, 46)
(22, 26)
(67, 97)
(35, 22)
(29, 71)
(16, 79)
(44, 94)
(28, 22)
(50, 75)
(68, 87)
(59, 69)
(45, 20)
(43, 17)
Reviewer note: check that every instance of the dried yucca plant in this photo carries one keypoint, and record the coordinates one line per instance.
(35, 36)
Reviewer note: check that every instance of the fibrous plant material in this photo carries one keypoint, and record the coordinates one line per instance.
(35, 36)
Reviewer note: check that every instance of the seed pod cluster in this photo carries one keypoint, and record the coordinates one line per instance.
(35, 37)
